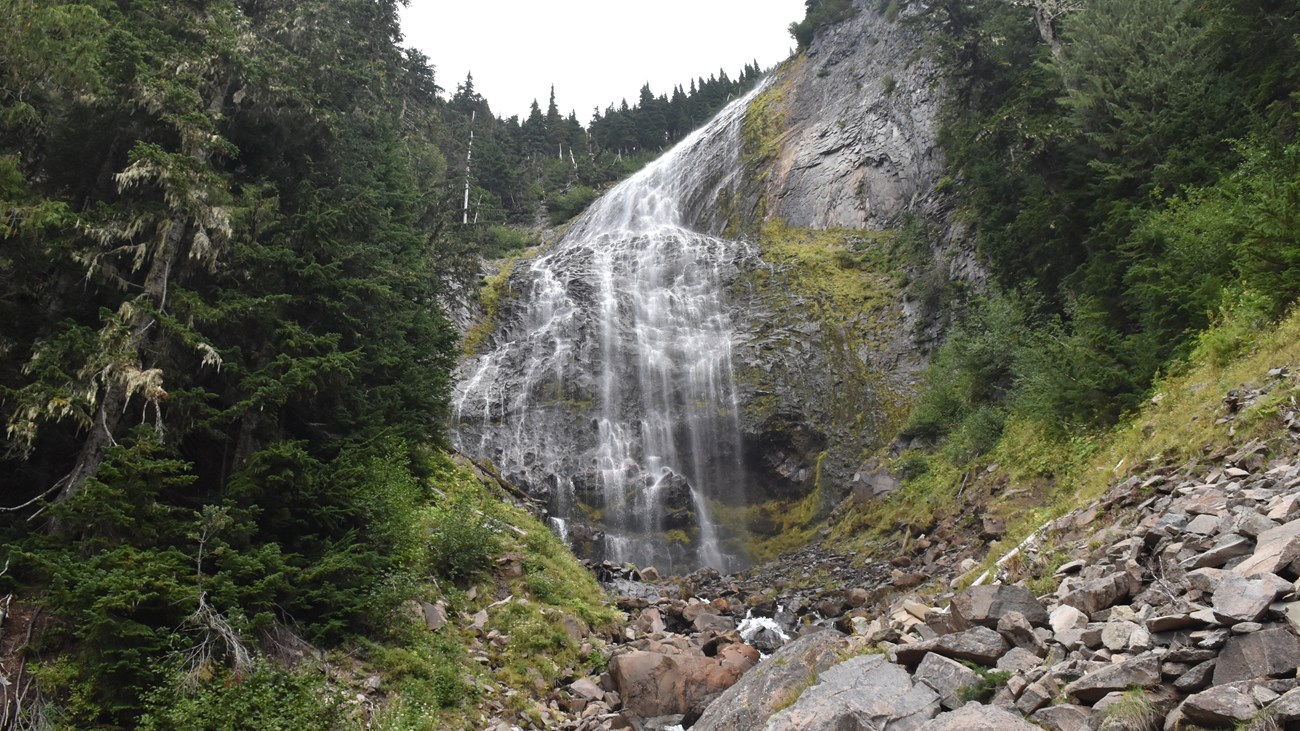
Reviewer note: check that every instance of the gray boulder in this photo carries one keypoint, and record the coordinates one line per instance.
(977, 644)
(773, 684)
(1142, 672)
(1266, 653)
(1222, 705)
(985, 605)
(946, 677)
(866, 693)
(976, 717)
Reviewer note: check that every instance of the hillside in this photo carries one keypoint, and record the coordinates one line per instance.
(952, 361)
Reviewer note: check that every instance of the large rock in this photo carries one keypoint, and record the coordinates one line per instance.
(1142, 672)
(1274, 550)
(866, 693)
(977, 644)
(1238, 599)
(1093, 596)
(946, 677)
(975, 717)
(773, 684)
(985, 605)
(1270, 652)
(1063, 717)
(653, 684)
(1222, 705)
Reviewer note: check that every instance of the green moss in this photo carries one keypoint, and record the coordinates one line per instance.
(489, 299)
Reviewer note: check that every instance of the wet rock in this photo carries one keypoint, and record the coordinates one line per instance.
(866, 692)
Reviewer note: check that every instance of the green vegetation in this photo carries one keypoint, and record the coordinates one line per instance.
(226, 230)
(819, 14)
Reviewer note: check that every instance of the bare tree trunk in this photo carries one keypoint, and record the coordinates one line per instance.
(113, 402)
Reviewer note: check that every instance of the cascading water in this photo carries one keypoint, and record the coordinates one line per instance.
(609, 387)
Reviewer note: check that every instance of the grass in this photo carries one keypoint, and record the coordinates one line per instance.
(1033, 474)
(1133, 712)
(431, 679)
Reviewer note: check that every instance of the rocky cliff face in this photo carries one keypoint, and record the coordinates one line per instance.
(858, 253)
(859, 146)
(713, 349)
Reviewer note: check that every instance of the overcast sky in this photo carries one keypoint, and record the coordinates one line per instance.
(595, 52)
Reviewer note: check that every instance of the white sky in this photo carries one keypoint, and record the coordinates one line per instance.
(595, 52)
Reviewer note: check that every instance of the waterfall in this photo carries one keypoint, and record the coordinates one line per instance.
(609, 386)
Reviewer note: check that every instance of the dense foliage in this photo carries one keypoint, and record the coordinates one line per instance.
(1130, 171)
(229, 228)
(549, 161)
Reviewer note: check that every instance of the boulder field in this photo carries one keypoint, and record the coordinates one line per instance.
(1176, 606)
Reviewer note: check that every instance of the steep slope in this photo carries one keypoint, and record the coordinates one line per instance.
(831, 252)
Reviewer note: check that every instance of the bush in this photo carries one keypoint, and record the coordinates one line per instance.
(462, 542)
(570, 203)
(265, 699)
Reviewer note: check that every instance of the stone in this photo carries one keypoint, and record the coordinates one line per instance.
(864, 692)
(714, 623)
(773, 684)
(985, 605)
(740, 655)
(1063, 717)
(1115, 634)
(654, 684)
(977, 644)
(1227, 548)
(857, 597)
(587, 688)
(767, 640)
(976, 717)
(1033, 697)
(650, 574)
(1065, 617)
(1251, 523)
(1287, 708)
(1142, 672)
(1274, 550)
(1018, 660)
(1196, 678)
(650, 622)
(1238, 599)
(1019, 633)
(945, 677)
(1266, 653)
(1204, 525)
(435, 616)
(1093, 596)
(1222, 705)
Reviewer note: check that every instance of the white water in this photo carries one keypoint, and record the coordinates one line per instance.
(611, 378)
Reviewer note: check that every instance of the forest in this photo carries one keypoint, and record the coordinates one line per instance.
(1130, 171)
(230, 229)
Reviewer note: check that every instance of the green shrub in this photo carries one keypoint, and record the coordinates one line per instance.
(263, 699)
(570, 203)
(462, 541)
